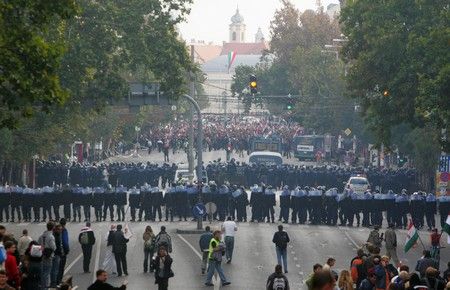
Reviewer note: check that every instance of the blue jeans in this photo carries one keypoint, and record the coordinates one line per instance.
(54, 271)
(46, 269)
(229, 244)
(282, 254)
(213, 266)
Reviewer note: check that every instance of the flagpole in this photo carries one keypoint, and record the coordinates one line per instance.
(418, 234)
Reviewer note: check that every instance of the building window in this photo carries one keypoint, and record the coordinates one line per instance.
(234, 36)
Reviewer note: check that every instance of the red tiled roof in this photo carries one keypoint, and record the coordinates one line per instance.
(204, 53)
(244, 48)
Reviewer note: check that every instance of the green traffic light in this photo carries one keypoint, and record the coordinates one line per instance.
(289, 107)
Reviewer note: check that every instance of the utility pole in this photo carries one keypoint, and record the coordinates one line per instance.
(191, 120)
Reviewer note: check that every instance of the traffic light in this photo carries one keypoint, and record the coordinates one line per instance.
(386, 93)
(253, 85)
(290, 104)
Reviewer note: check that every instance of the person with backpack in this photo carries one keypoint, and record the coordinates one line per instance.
(47, 241)
(163, 239)
(205, 238)
(277, 280)
(87, 240)
(216, 251)
(149, 247)
(281, 240)
(357, 268)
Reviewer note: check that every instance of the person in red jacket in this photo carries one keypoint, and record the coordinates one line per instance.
(12, 271)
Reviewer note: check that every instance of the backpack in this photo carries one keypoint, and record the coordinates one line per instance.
(163, 240)
(36, 251)
(282, 240)
(279, 283)
(149, 245)
(84, 238)
(2, 254)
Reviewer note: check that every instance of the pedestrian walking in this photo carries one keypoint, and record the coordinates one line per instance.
(59, 252)
(86, 238)
(24, 242)
(47, 242)
(31, 267)
(205, 238)
(281, 240)
(149, 248)
(100, 282)
(390, 238)
(66, 249)
(109, 263)
(216, 251)
(119, 248)
(375, 238)
(229, 228)
(277, 280)
(163, 239)
(163, 269)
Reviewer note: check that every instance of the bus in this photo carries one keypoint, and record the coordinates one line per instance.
(309, 146)
(260, 143)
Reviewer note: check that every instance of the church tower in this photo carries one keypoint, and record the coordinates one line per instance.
(237, 28)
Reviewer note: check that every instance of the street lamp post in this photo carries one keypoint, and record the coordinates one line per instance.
(199, 153)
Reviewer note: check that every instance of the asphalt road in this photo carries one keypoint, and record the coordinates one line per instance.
(180, 156)
(254, 255)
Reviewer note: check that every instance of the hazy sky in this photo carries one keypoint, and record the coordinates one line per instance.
(209, 19)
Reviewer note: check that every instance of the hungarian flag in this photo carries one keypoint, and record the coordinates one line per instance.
(446, 228)
(411, 237)
(231, 57)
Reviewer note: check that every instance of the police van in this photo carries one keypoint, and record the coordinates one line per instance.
(265, 157)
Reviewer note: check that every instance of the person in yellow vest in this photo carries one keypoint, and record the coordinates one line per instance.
(216, 251)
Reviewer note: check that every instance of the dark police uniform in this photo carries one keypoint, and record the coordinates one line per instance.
(5, 197)
(16, 202)
(121, 201)
(97, 201)
(430, 210)
(285, 204)
(134, 200)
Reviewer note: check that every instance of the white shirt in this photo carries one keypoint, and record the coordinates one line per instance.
(229, 227)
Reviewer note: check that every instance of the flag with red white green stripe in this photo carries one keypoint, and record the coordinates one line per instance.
(231, 57)
(411, 237)
(446, 228)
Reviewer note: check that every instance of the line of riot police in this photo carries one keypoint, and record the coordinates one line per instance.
(300, 205)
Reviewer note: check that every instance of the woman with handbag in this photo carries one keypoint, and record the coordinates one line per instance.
(163, 269)
(149, 248)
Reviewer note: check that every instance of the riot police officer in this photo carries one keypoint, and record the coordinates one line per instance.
(134, 202)
(4, 202)
(157, 202)
(146, 202)
(86, 201)
(430, 210)
(47, 193)
(390, 207)
(402, 207)
(222, 203)
(169, 202)
(16, 202)
(121, 201)
(285, 204)
(269, 202)
(66, 200)
(109, 200)
(256, 200)
(97, 202)
(77, 194)
(331, 205)
(27, 202)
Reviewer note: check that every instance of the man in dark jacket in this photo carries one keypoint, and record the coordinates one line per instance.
(281, 239)
(87, 240)
(277, 280)
(119, 249)
(205, 238)
(425, 262)
(100, 283)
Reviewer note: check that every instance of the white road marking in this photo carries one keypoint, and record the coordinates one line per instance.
(97, 258)
(72, 264)
(215, 281)
(351, 240)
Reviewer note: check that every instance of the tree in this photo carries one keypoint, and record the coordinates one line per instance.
(30, 56)
(399, 63)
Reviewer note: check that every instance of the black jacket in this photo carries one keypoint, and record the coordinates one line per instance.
(278, 238)
(119, 243)
(105, 286)
(167, 268)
